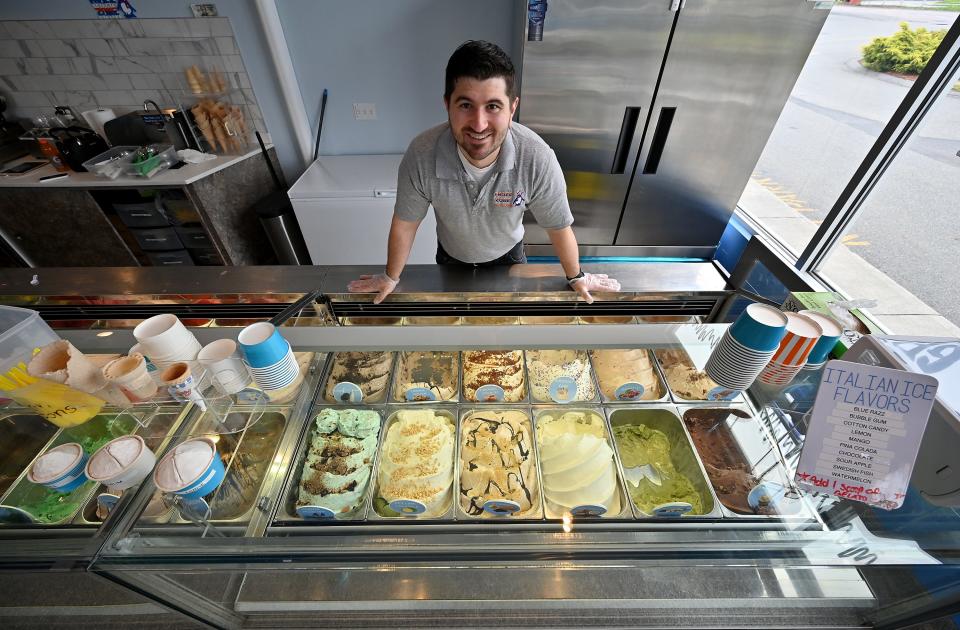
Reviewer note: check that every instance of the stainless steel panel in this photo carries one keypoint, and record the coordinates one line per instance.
(730, 70)
(595, 60)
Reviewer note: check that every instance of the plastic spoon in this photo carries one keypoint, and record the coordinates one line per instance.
(636, 474)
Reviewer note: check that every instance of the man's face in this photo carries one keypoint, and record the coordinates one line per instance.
(480, 113)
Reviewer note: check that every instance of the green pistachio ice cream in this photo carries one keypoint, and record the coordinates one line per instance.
(639, 445)
(339, 461)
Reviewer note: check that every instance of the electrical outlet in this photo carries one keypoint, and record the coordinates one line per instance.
(364, 111)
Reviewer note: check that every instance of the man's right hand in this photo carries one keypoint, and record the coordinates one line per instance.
(381, 284)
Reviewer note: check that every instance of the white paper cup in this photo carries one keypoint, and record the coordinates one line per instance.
(121, 463)
(228, 372)
(165, 339)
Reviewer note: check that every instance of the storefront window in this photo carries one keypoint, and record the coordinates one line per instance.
(903, 248)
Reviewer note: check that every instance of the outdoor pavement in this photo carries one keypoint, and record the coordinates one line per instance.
(898, 310)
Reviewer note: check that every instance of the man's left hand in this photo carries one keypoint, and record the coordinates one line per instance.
(593, 282)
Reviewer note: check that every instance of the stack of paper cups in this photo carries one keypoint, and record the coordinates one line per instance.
(165, 340)
(832, 330)
(802, 335)
(746, 347)
(269, 356)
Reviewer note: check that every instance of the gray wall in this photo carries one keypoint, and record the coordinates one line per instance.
(388, 52)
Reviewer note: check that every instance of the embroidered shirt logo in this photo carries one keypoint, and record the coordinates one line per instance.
(508, 198)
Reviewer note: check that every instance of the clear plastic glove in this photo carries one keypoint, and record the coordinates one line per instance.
(593, 282)
(381, 284)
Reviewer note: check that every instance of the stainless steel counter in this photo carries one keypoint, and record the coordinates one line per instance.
(635, 278)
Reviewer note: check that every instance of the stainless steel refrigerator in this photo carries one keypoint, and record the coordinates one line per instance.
(658, 110)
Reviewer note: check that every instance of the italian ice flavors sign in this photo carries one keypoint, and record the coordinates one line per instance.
(865, 431)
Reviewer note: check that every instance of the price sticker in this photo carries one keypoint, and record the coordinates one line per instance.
(563, 390)
(672, 510)
(490, 393)
(722, 393)
(501, 508)
(588, 511)
(629, 391)
(313, 512)
(347, 392)
(407, 507)
(419, 394)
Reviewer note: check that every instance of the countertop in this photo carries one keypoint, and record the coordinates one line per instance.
(182, 176)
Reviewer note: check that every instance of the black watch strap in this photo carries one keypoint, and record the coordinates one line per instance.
(576, 277)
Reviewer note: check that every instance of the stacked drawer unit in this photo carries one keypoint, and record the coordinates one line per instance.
(165, 243)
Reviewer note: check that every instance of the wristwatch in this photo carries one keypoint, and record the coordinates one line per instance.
(570, 279)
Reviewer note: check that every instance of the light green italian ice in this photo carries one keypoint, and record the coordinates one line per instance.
(638, 445)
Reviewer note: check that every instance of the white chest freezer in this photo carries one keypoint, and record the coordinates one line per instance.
(344, 204)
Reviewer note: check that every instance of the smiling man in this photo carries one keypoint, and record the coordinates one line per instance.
(481, 171)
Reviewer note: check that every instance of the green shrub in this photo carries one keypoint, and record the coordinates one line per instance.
(906, 51)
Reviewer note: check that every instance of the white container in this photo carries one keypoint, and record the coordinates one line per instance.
(165, 340)
(121, 463)
(228, 372)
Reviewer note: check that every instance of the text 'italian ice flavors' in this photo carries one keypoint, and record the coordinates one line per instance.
(726, 466)
(416, 462)
(494, 367)
(433, 371)
(683, 377)
(339, 459)
(619, 367)
(370, 371)
(641, 445)
(546, 366)
(576, 462)
(496, 461)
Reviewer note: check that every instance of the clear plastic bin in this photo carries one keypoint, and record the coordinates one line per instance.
(22, 332)
(165, 157)
(111, 164)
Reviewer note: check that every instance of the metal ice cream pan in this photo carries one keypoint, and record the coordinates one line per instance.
(463, 382)
(682, 454)
(680, 400)
(536, 509)
(291, 489)
(539, 412)
(661, 383)
(397, 396)
(585, 401)
(247, 458)
(157, 436)
(759, 452)
(373, 495)
(328, 374)
(24, 494)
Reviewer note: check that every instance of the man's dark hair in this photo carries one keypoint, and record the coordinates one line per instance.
(479, 60)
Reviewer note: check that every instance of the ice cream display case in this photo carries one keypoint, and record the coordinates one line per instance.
(567, 473)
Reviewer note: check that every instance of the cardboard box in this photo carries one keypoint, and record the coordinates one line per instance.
(855, 322)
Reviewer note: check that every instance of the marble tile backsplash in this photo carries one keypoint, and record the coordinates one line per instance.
(116, 63)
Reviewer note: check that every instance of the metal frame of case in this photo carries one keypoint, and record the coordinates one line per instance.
(610, 571)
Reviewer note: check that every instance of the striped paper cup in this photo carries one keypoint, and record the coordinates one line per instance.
(802, 335)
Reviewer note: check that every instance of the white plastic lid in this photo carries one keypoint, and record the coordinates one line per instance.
(55, 462)
(184, 464)
(115, 457)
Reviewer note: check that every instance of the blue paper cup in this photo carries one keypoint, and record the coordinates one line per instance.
(208, 480)
(70, 476)
(832, 330)
(759, 327)
(262, 345)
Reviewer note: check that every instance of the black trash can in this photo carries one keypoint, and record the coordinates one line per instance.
(283, 231)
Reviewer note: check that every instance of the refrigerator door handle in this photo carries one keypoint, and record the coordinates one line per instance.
(676, 5)
(659, 142)
(628, 129)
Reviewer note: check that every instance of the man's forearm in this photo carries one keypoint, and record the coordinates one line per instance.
(565, 246)
(399, 244)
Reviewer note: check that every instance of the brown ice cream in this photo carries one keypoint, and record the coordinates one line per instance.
(726, 466)
(684, 379)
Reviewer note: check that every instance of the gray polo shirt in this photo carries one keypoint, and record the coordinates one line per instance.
(526, 176)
